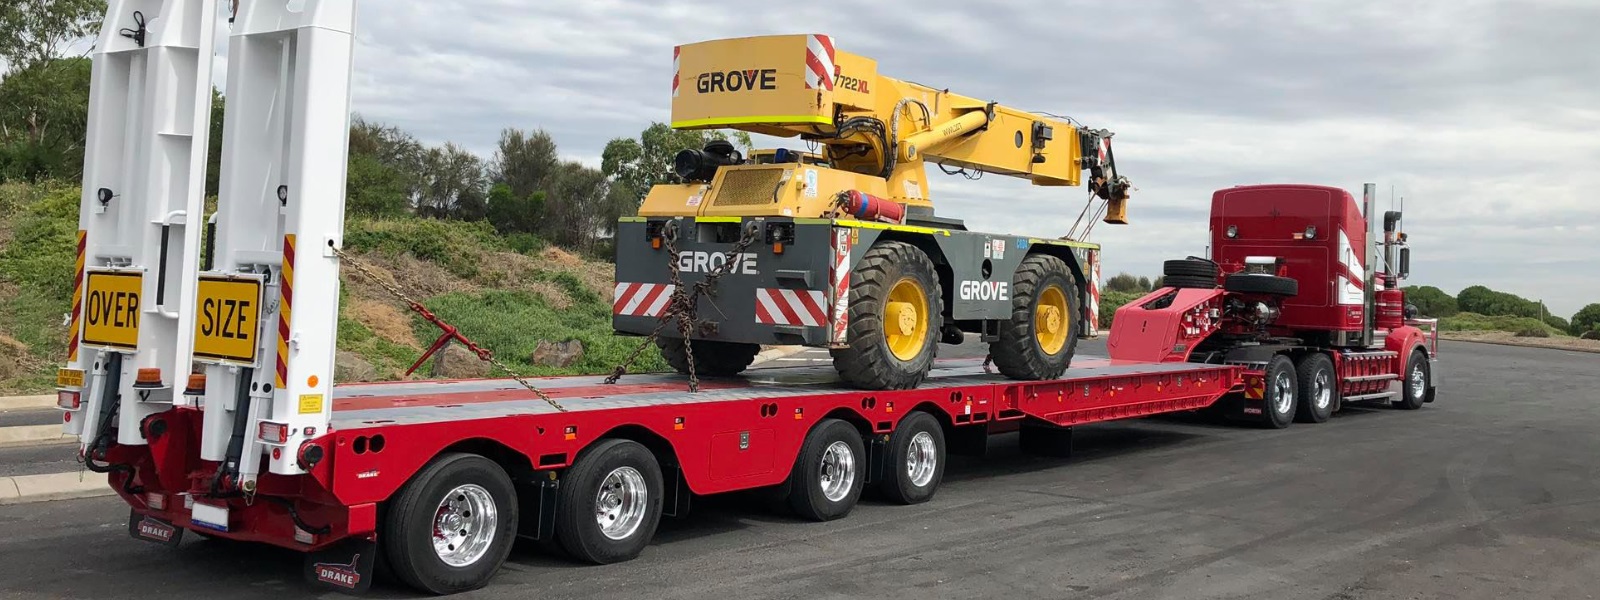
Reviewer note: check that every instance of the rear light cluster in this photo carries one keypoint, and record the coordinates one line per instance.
(273, 433)
(69, 400)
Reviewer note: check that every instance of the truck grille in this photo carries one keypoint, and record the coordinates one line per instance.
(749, 187)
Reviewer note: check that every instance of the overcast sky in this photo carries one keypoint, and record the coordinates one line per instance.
(1484, 115)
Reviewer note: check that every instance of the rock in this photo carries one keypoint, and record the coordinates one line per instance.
(349, 366)
(455, 362)
(557, 354)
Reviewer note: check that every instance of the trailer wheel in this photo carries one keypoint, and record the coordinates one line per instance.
(1414, 388)
(1279, 403)
(896, 309)
(1039, 339)
(609, 502)
(830, 472)
(916, 460)
(451, 527)
(712, 358)
(1319, 388)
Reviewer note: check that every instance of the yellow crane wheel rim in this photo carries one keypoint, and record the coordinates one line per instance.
(905, 319)
(1051, 320)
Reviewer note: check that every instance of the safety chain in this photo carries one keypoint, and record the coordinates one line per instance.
(450, 332)
(682, 306)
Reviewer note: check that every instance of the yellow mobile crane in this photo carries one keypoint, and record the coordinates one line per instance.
(839, 245)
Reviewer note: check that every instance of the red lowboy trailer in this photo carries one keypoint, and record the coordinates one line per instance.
(424, 467)
(198, 377)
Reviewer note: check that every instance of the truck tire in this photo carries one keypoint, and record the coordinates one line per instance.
(1319, 388)
(1278, 404)
(896, 311)
(473, 498)
(1190, 267)
(1257, 283)
(712, 358)
(1189, 282)
(916, 460)
(1042, 334)
(1414, 382)
(829, 473)
(609, 502)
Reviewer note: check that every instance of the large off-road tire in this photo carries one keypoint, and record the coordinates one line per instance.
(896, 311)
(1278, 405)
(472, 497)
(1039, 339)
(830, 472)
(1414, 382)
(1258, 283)
(916, 460)
(712, 358)
(1319, 388)
(1190, 267)
(609, 502)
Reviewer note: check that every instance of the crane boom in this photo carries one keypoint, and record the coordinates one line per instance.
(871, 126)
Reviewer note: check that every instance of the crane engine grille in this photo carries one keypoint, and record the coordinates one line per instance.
(749, 187)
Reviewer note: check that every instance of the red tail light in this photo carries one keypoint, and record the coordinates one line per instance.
(273, 433)
(69, 400)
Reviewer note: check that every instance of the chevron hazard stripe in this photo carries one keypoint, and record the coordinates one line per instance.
(819, 62)
(641, 299)
(777, 306)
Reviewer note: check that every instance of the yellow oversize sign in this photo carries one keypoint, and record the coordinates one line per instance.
(111, 309)
(227, 321)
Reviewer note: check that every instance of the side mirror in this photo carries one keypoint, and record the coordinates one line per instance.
(1405, 263)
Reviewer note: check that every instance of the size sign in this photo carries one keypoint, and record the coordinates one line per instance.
(111, 309)
(228, 319)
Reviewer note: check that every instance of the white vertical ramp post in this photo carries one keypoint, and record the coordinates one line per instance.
(140, 214)
(280, 214)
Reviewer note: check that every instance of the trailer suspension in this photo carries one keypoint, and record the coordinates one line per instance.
(448, 331)
(683, 305)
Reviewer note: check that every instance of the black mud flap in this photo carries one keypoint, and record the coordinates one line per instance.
(153, 529)
(343, 567)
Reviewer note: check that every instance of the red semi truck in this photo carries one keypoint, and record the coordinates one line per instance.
(199, 375)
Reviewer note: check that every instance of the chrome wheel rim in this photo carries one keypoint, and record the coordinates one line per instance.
(1418, 383)
(921, 459)
(838, 471)
(1322, 390)
(464, 525)
(1284, 399)
(619, 505)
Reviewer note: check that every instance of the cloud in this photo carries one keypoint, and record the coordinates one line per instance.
(1473, 110)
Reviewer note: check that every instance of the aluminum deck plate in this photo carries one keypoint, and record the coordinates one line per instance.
(414, 402)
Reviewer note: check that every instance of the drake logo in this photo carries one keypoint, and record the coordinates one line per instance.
(156, 530)
(343, 575)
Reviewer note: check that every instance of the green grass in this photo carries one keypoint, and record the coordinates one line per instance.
(1525, 326)
(37, 241)
(512, 323)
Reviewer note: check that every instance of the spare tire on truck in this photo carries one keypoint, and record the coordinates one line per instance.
(1189, 273)
(1260, 283)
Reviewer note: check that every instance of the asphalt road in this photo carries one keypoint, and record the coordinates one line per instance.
(1491, 492)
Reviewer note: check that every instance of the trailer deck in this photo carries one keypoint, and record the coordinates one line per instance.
(363, 405)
